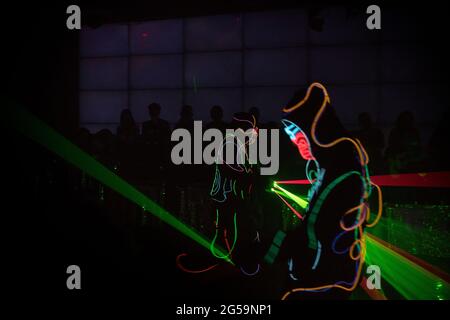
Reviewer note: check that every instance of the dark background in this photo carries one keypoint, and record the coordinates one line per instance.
(41, 72)
(42, 59)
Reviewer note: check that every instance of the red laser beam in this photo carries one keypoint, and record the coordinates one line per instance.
(226, 241)
(422, 180)
(303, 181)
(192, 271)
(290, 207)
(373, 294)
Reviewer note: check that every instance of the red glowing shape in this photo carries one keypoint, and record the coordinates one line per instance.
(424, 180)
(303, 146)
(290, 207)
(301, 181)
(420, 180)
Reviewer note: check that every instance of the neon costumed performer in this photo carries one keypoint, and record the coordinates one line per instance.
(325, 253)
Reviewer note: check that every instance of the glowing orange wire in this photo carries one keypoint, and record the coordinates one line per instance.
(362, 255)
(360, 222)
(318, 115)
(308, 93)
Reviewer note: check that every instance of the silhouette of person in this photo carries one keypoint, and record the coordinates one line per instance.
(83, 139)
(321, 224)
(404, 152)
(216, 114)
(127, 138)
(254, 111)
(155, 129)
(235, 210)
(127, 131)
(372, 139)
(156, 138)
(438, 145)
(186, 120)
(103, 147)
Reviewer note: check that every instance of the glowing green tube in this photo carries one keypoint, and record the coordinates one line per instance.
(300, 201)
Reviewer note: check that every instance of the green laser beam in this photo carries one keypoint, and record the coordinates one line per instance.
(429, 240)
(298, 200)
(409, 279)
(283, 194)
(33, 128)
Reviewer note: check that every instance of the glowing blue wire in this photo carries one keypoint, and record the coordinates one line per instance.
(319, 252)
(250, 274)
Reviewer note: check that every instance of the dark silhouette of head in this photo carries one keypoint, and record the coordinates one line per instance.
(186, 112)
(83, 138)
(242, 120)
(103, 141)
(105, 136)
(254, 111)
(328, 128)
(216, 113)
(154, 109)
(126, 119)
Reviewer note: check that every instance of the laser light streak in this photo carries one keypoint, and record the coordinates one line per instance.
(33, 128)
(410, 279)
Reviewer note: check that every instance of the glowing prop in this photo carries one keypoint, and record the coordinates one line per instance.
(213, 247)
(298, 200)
(319, 252)
(314, 213)
(253, 273)
(278, 193)
(35, 129)
(344, 285)
(299, 138)
(275, 247)
(291, 268)
(224, 187)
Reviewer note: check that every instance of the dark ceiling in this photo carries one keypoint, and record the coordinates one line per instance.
(97, 14)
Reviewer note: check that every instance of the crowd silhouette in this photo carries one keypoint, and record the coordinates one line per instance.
(144, 154)
(142, 157)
